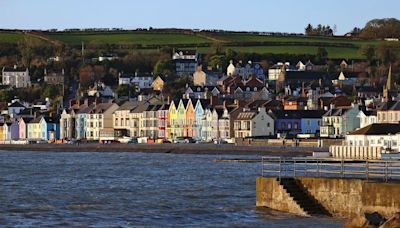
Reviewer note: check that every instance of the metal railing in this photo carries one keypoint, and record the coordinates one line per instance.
(386, 170)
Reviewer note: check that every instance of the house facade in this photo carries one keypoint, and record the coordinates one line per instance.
(252, 123)
(336, 123)
(17, 77)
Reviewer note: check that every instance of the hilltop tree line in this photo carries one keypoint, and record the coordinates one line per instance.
(319, 30)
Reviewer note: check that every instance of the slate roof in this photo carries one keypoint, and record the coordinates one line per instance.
(298, 114)
(390, 105)
(246, 115)
(378, 129)
(336, 112)
(16, 104)
(12, 69)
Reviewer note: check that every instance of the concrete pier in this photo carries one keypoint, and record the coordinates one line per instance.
(340, 197)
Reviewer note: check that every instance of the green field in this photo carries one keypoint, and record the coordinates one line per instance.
(149, 41)
(11, 37)
(239, 37)
(142, 38)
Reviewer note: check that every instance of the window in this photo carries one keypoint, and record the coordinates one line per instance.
(283, 125)
(296, 126)
(289, 126)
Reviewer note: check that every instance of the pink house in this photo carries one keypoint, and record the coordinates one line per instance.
(23, 127)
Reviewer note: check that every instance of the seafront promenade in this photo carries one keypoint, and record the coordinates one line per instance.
(166, 148)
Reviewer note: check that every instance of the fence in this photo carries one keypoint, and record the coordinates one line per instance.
(386, 170)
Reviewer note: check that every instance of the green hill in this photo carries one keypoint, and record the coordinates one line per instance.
(337, 47)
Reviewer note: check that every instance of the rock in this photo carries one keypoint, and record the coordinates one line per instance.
(375, 218)
(357, 222)
(368, 220)
(394, 221)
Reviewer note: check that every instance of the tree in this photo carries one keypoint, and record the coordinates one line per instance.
(164, 66)
(218, 62)
(381, 28)
(322, 55)
(230, 54)
(386, 54)
(309, 29)
(126, 90)
(368, 51)
(51, 91)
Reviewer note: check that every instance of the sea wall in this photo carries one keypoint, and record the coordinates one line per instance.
(341, 197)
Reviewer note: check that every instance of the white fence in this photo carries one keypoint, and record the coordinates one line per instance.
(355, 152)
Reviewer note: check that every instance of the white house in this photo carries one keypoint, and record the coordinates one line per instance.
(386, 136)
(185, 61)
(17, 77)
(15, 107)
(336, 123)
(251, 123)
(367, 118)
(141, 81)
(100, 90)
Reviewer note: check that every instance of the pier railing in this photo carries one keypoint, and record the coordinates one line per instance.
(386, 170)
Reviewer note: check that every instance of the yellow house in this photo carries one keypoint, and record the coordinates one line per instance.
(34, 129)
(1, 131)
(172, 121)
(158, 83)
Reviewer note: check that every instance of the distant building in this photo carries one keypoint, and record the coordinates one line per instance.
(100, 90)
(246, 70)
(17, 77)
(205, 77)
(54, 78)
(185, 61)
(141, 81)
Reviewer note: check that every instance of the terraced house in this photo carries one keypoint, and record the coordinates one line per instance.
(98, 118)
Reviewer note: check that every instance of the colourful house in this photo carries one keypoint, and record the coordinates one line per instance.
(172, 121)
(49, 128)
(23, 127)
(181, 118)
(34, 129)
(1, 131)
(11, 131)
(190, 118)
(201, 105)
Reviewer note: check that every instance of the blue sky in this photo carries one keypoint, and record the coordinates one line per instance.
(249, 15)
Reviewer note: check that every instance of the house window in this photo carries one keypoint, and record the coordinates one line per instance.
(289, 126)
(283, 125)
(296, 126)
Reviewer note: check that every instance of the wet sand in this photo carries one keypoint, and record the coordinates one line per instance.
(167, 148)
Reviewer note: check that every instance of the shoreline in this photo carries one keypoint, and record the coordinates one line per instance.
(225, 149)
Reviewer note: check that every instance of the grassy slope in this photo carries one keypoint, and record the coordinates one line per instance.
(346, 48)
(10, 37)
(239, 37)
(143, 38)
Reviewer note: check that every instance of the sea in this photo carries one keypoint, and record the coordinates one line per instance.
(117, 189)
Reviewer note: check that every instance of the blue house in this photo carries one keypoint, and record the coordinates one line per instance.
(199, 111)
(49, 128)
(293, 122)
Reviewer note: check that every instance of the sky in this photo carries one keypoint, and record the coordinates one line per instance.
(237, 15)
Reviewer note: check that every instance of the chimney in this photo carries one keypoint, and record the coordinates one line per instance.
(332, 105)
(213, 100)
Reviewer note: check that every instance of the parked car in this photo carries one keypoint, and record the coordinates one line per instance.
(220, 141)
(184, 140)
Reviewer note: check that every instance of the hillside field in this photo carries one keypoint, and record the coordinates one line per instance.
(337, 47)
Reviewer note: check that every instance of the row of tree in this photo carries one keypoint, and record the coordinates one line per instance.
(320, 30)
